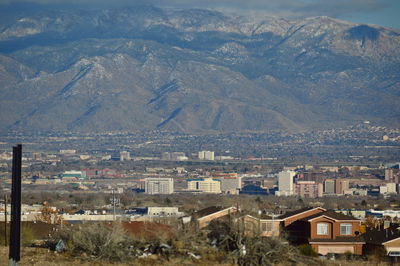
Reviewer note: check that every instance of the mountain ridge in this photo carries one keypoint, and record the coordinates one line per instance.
(193, 71)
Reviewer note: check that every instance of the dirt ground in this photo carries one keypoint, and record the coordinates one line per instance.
(45, 257)
(40, 256)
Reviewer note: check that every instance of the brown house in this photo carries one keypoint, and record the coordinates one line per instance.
(203, 217)
(263, 226)
(386, 240)
(290, 217)
(268, 226)
(328, 232)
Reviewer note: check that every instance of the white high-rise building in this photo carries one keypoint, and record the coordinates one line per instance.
(329, 186)
(391, 188)
(285, 183)
(159, 185)
(206, 155)
(231, 183)
(124, 156)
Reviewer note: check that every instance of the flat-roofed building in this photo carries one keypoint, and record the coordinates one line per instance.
(285, 183)
(205, 185)
(206, 155)
(158, 185)
(124, 156)
(308, 189)
(231, 183)
(341, 185)
(329, 186)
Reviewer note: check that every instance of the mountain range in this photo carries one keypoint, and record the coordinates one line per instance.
(190, 70)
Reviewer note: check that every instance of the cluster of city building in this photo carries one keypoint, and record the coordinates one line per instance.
(228, 183)
(289, 183)
(285, 183)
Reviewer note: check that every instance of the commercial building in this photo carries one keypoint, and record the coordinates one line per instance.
(329, 186)
(341, 185)
(205, 185)
(285, 183)
(174, 156)
(73, 174)
(231, 183)
(389, 174)
(124, 156)
(68, 152)
(164, 211)
(389, 188)
(161, 185)
(206, 155)
(308, 189)
(392, 175)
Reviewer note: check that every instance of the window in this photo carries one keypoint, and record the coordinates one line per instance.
(346, 229)
(266, 226)
(322, 228)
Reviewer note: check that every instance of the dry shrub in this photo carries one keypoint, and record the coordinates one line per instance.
(100, 242)
(272, 251)
(307, 250)
(28, 236)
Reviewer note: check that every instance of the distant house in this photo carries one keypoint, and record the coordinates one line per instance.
(327, 232)
(385, 239)
(264, 225)
(204, 216)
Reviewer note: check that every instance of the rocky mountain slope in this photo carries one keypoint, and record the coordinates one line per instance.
(144, 68)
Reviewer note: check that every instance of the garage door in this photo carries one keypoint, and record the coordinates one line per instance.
(335, 249)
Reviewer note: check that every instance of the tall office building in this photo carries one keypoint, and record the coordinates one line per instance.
(389, 174)
(308, 189)
(124, 156)
(285, 183)
(231, 183)
(341, 186)
(206, 185)
(329, 186)
(206, 155)
(392, 188)
(158, 185)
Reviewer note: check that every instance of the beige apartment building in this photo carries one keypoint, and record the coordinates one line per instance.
(205, 185)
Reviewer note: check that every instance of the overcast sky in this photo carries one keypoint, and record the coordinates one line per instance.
(380, 12)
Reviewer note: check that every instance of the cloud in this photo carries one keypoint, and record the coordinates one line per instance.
(284, 8)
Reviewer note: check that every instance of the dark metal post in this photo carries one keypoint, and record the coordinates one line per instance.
(15, 231)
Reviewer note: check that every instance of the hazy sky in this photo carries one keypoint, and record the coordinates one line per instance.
(381, 12)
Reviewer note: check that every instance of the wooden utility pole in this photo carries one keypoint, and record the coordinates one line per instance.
(15, 231)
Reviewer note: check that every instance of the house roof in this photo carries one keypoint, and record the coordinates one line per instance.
(207, 211)
(293, 213)
(381, 236)
(257, 216)
(331, 214)
(264, 216)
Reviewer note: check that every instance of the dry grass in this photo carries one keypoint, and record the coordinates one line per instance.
(45, 257)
